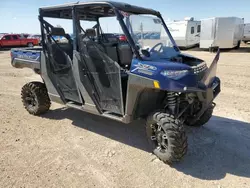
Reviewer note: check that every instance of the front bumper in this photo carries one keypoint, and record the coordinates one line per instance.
(216, 87)
(207, 97)
(208, 94)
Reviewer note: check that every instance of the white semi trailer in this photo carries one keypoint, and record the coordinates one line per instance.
(222, 32)
(246, 37)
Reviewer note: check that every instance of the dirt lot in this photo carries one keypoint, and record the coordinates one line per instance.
(69, 148)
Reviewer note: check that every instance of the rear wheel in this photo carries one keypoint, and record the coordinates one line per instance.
(35, 98)
(167, 137)
(30, 44)
(238, 45)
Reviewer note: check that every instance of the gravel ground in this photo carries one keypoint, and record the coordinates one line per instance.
(69, 148)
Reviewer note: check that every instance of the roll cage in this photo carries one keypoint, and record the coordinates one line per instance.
(81, 68)
(92, 11)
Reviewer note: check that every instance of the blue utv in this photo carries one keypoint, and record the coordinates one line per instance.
(134, 77)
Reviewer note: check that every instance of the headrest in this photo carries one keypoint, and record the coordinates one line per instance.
(57, 31)
(90, 32)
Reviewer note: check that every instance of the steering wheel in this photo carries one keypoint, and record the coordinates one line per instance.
(153, 49)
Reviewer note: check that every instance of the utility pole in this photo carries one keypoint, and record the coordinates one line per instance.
(141, 30)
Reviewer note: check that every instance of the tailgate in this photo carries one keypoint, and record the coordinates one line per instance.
(27, 57)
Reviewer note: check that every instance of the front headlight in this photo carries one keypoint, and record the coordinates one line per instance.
(174, 74)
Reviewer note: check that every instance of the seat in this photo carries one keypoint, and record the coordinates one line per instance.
(95, 51)
(109, 45)
(111, 50)
(119, 52)
(58, 54)
(60, 51)
(64, 47)
(125, 53)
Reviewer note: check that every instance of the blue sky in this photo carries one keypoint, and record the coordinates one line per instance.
(19, 16)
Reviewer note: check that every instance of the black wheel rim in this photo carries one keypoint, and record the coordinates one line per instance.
(159, 137)
(30, 99)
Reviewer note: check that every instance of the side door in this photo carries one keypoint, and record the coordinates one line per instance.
(23, 40)
(58, 60)
(190, 35)
(6, 40)
(104, 75)
(197, 34)
(59, 63)
(16, 40)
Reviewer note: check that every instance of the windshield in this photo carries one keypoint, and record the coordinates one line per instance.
(149, 34)
(1, 36)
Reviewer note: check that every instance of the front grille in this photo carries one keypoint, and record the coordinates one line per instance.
(200, 70)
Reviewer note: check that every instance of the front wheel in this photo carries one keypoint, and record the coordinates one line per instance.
(30, 44)
(167, 137)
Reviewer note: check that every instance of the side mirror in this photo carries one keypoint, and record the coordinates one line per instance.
(145, 53)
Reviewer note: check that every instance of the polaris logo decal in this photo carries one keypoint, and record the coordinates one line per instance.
(33, 57)
(141, 66)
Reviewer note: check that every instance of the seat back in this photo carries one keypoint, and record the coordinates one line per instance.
(66, 47)
(111, 51)
(125, 53)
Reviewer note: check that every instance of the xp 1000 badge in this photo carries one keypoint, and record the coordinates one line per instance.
(144, 68)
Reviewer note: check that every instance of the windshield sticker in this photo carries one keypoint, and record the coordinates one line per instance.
(125, 14)
(145, 67)
(157, 21)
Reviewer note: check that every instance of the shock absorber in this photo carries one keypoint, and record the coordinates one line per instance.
(171, 101)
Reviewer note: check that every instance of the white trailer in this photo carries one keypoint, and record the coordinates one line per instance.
(246, 37)
(222, 32)
(186, 33)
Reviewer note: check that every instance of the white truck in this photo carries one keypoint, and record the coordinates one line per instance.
(186, 33)
(222, 32)
(246, 37)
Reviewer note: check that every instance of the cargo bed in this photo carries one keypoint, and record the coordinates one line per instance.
(26, 57)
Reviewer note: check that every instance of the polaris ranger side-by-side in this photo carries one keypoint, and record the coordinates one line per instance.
(121, 80)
